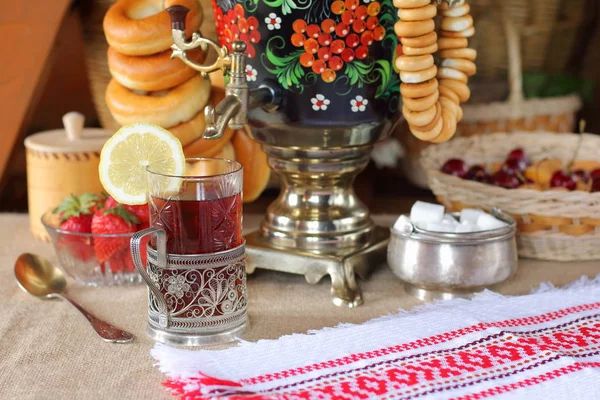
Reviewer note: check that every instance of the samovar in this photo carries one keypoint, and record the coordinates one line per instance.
(315, 81)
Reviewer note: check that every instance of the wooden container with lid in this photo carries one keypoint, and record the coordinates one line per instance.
(59, 163)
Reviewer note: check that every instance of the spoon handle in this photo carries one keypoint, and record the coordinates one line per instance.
(106, 331)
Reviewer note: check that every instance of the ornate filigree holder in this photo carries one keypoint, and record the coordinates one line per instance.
(317, 226)
(195, 299)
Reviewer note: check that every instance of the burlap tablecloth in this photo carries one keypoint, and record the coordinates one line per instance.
(48, 351)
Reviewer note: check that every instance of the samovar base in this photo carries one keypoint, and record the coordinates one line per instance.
(341, 265)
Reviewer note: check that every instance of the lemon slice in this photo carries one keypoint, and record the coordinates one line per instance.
(128, 152)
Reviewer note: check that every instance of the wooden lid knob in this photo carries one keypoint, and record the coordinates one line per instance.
(73, 122)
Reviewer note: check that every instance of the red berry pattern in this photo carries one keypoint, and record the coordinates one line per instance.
(235, 25)
(343, 39)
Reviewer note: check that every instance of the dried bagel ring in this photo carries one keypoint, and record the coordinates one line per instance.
(419, 51)
(417, 14)
(457, 11)
(428, 134)
(445, 43)
(414, 28)
(467, 33)
(448, 128)
(419, 118)
(451, 73)
(421, 103)
(410, 3)
(466, 53)
(418, 76)
(449, 93)
(461, 89)
(448, 104)
(457, 24)
(414, 63)
(420, 41)
(423, 89)
(467, 67)
(445, 6)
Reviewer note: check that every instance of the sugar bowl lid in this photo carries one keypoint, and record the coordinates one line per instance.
(73, 139)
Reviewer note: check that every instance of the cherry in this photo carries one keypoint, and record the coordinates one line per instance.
(328, 25)
(313, 31)
(595, 185)
(299, 26)
(238, 9)
(562, 179)
(359, 26)
(373, 8)
(342, 29)
(252, 23)
(595, 174)
(378, 33)
(518, 154)
(361, 12)
(324, 53)
(325, 39)
(456, 167)
(335, 63)
(348, 17)
(254, 36)
(362, 52)
(352, 40)
(337, 46)
(307, 60)
(328, 75)
(338, 7)
(351, 4)
(318, 67)
(514, 166)
(372, 23)
(366, 38)
(348, 55)
(298, 39)
(505, 180)
(311, 46)
(478, 173)
(581, 175)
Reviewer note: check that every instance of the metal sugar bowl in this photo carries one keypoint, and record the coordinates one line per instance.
(436, 265)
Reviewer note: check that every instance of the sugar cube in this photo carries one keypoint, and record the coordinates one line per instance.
(470, 215)
(402, 224)
(422, 213)
(465, 227)
(449, 220)
(487, 222)
(439, 227)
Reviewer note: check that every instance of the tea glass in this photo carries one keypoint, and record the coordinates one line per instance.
(195, 259)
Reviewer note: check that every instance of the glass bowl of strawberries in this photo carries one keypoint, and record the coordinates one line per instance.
(91, 235)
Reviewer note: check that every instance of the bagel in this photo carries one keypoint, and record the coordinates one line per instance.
(449, 105)
(451, 73)
(445, 43)
(449, 93)
(466, 53)
(467, 67)
(415, 90)
(448, 127)
(419, 118)
(166, 110)
(419, 51)
(256, 168)
(420, 41)
(428, 134)
(414, 63)
(421, 103)
(151, 73)
(457, 24)
(411, 3)
(418, 76)
(456, 3)
(417, 14)
(143, 27)
(467, 33)
(414, 28)
(456, 11)
(460, 88)
(433, 123)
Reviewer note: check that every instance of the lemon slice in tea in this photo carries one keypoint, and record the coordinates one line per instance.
(129, 151)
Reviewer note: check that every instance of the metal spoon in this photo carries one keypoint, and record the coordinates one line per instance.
(38, 277)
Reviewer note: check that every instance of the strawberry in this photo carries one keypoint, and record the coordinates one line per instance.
(141, 211)
(112, 220)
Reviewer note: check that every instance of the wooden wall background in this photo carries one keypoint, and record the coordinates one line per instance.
(66, 88)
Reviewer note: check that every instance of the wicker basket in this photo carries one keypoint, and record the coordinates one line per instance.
(556, 114)
(552, 224)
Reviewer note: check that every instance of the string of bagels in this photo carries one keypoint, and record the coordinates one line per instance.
(432, 94)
